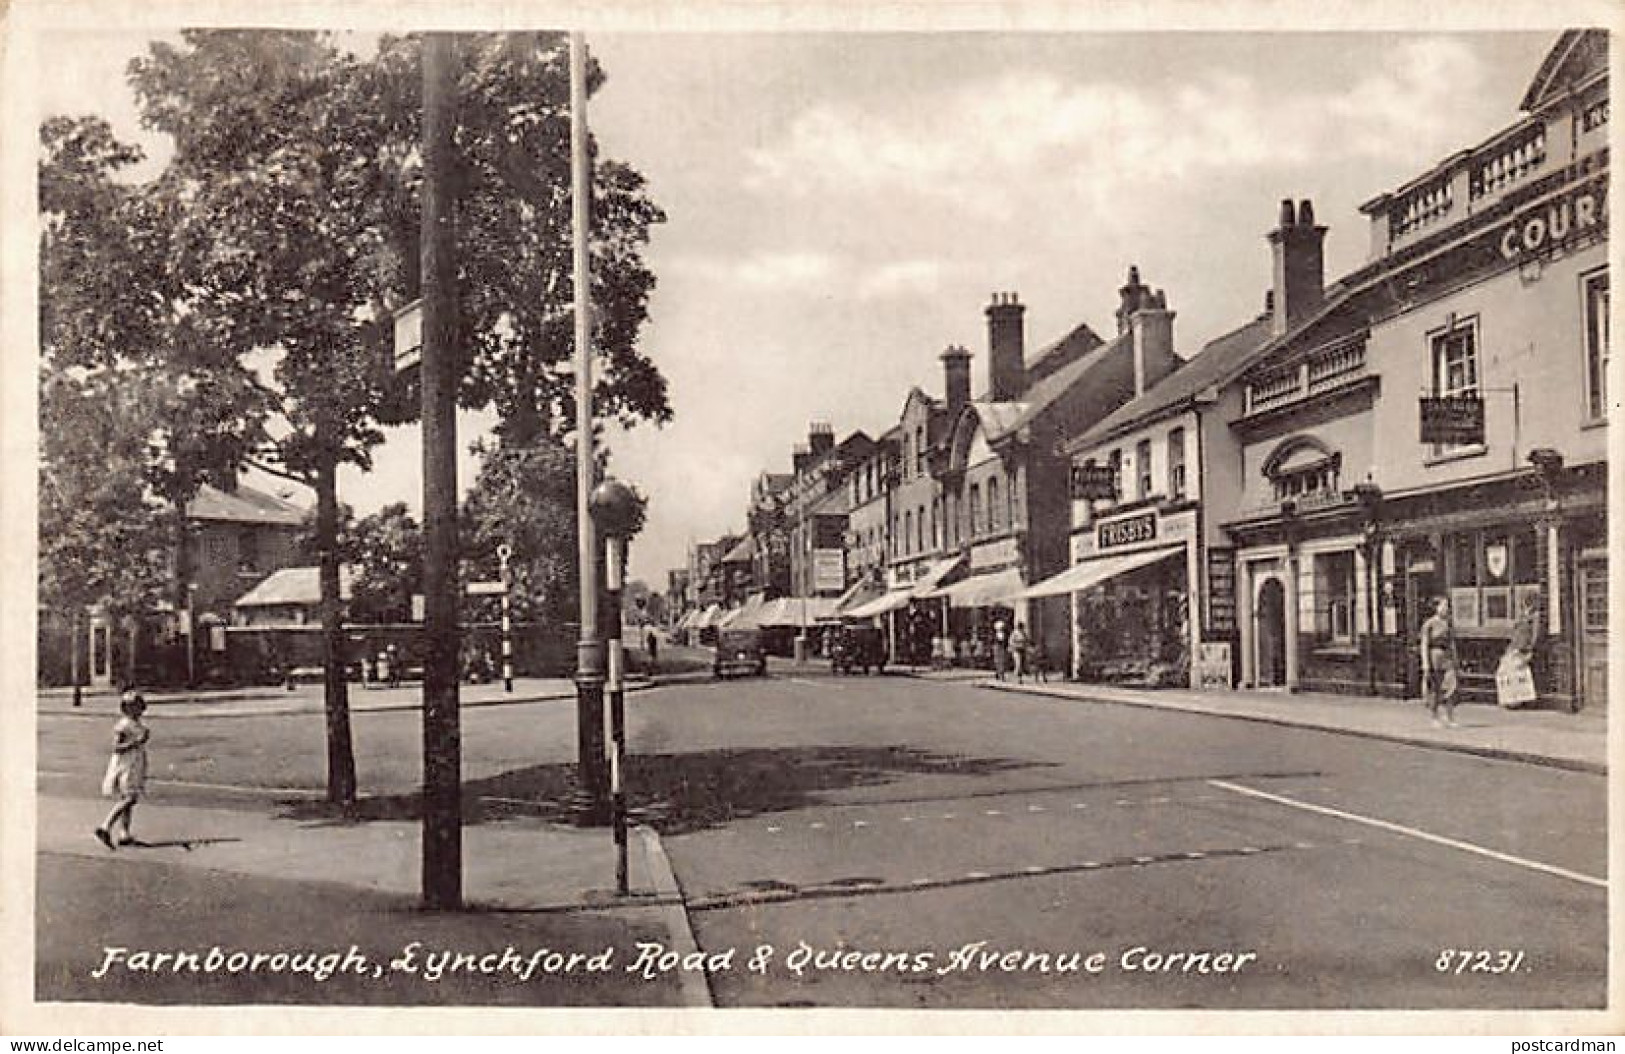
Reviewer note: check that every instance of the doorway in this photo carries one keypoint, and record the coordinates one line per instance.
(1270, 615)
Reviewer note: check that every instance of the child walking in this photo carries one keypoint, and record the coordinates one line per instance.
(126, 770)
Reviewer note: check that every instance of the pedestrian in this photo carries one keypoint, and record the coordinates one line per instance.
(1019, 643)
(1439, 676)
(126, 776)
(1040, 662)
(651, 644)
(392, 665)
(1000, 635)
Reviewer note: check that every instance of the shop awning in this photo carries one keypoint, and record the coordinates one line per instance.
(860, 592)
(926, 585)
(880, 605)
(1093, 572)
(799, 612)
(980, 591)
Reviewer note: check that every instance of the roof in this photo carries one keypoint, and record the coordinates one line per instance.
(1048, 389)
(293, 585)
(742, 553)
(243, 505)
(1218, 360)
(1589, 50)
(1079, 341)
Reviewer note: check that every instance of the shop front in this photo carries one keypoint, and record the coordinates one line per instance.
(1501, 554)
(1131, 588)
(974, 605)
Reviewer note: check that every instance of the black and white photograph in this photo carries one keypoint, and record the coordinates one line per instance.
(804, 508)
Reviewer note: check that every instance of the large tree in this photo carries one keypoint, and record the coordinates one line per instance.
(296, 179)
(140, 400)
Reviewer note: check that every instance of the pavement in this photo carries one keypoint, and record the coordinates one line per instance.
(1544, 737)
(529, 885)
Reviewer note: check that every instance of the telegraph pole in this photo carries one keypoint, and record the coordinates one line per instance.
(442, 747)
(589, 648)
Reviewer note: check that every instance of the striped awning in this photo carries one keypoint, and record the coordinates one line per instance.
(1092, 573)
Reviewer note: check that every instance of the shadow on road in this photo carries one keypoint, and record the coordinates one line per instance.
(681, 793)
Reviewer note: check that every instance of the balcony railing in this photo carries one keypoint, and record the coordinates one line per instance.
(1510, 162)
(1422, 207)
(1323, 370)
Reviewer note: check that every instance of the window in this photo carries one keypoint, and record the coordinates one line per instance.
(919, 530)
(993, 504)
(1596, 306)
(1142, 467)
(1594, 591)
(1455, 365)
(1010, 503)
(974, 527)
(1176, 463)
(908, 529)
(936, 523)
(1116, 462)
(1489, 572)
(919, 451)
(1334, 596)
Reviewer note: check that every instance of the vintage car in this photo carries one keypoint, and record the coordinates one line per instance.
(858, 648)
(739, 651)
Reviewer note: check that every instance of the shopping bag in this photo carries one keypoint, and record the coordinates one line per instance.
(1514, 684)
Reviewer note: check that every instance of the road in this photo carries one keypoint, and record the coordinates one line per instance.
(1128, 857)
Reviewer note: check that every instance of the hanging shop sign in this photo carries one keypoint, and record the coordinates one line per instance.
(1094, 482)
(1001, 553)
(1130, 531)
(1221, 595)
(1452, 419)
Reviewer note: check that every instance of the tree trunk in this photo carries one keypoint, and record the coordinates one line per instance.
(183, 586)
(340, 752)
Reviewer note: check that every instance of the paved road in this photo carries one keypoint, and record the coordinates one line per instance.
(888, 815)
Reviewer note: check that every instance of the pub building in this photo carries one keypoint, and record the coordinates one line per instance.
(1437, 427)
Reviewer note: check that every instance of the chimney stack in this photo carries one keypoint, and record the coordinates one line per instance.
(1153, 336)
(1006, 340)
(820, 439)
(1300, 273)
(800, 458)
(956, 377)
(1132, 296)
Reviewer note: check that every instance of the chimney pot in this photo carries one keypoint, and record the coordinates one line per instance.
(1288, 217)
(1306, 213)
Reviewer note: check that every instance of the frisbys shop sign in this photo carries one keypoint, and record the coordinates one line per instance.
(1540, 229)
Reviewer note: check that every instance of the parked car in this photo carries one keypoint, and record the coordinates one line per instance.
(739, 651)
(858, 648)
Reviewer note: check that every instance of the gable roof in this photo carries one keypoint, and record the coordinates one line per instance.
(1578, 55)
(243, 505)
(1044, 392)
(1218, 360)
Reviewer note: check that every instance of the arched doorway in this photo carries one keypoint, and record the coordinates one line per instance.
(1270, 614)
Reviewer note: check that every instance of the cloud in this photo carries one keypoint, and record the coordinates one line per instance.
(970, 142)
(901, 278)
(763, 271)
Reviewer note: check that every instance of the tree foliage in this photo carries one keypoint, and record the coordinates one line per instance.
(386, 552)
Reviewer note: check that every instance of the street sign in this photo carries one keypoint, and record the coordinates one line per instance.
(1452, 419)
(1094, 481)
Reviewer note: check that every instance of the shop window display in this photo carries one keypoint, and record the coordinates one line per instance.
(1489, 572)
(1334, 597)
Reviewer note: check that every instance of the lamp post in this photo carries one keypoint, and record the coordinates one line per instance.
(614, 509)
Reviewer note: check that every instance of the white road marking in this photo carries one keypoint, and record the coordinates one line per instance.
(774, 830)
(860, 823)
(920, 882)
(1035, 870)
(817, 825)
(908, 819)
(1123, 801)
(976, 874)
(947, 816)
(1157, 801)
(1412, 832)
(1144, 859)
(1080, 805)
(991, 812)
(1035, 808)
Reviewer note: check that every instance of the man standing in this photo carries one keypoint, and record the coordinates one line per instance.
(651, 644)
(1000, 636)
(1438, 647)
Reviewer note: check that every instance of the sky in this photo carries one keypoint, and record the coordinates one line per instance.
(841, 206)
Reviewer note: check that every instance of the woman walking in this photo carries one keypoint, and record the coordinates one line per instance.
(1438, 647)
(126, 776)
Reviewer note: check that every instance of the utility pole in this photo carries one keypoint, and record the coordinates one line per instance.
(589, 648)
(442, 746)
